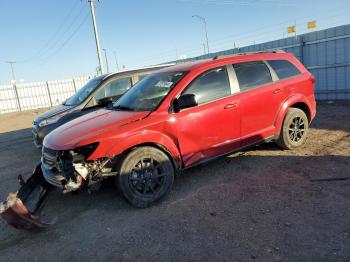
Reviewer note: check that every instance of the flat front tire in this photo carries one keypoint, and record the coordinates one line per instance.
(146, 175)
(294, 129)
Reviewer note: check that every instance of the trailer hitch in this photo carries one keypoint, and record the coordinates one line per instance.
(19, 210)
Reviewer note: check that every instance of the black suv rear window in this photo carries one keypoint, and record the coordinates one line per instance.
(283, 68)
(252, 74)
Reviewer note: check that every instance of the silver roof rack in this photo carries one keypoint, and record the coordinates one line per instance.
(249, 53)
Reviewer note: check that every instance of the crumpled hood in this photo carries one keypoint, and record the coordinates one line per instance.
(95, 123)
(52, 112)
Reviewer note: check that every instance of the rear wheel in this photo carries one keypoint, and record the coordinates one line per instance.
(146, 176)
(294, 129)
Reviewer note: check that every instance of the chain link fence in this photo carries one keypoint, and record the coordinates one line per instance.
(26, 96)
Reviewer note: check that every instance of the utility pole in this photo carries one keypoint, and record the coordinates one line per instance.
(14, 83)
(107, 65)
(205, 29)
(11, 63)
(116, 61)
(99, 55)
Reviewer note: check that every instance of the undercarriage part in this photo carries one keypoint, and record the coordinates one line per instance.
(19, 210)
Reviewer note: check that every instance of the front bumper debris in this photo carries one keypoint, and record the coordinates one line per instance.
(19, 210)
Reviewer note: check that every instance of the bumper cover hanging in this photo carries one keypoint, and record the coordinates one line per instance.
(19, 210)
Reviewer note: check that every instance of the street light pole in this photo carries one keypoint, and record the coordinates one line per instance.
(96, 36)
(107, 65)
(205, 29)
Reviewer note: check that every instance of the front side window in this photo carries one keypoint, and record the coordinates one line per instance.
(211, 85)
(147, 94)
(83, 92)
(283, 68)
(252, 74)
(114, 89)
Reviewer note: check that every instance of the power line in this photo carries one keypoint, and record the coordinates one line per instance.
(197, 50)
(259, 2)
(57, 35)
(57, 50)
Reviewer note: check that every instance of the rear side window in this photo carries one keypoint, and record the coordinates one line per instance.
(283, 68)
(252, 74)
(211, 85)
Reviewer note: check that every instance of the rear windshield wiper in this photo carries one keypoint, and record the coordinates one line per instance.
(121, 107)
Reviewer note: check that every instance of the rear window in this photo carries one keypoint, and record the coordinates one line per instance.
(252, 74)
(283, 68)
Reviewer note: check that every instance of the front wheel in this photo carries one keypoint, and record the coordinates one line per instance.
(146, 175)
(294, 129)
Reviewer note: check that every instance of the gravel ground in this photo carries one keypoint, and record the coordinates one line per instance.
(256, 205)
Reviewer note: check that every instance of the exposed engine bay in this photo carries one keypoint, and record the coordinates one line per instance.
(70, 170)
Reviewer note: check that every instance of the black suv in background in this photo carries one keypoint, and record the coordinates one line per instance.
(97, 93)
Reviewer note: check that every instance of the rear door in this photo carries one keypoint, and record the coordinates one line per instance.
(261, 97)
(287, 72)
(213, 127)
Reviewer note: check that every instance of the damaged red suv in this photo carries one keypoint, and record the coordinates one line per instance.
(179, 117)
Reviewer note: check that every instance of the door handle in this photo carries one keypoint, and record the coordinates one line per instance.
(230, 106)
(276, 91)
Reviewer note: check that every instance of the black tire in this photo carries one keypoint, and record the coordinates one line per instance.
(146, 175)
(294, 129)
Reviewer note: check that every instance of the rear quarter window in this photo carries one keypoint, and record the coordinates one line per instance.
(283, 68)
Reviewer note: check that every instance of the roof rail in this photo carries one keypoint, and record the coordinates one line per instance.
(249, 53)
(138, 70)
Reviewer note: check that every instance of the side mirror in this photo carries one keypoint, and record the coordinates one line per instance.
(184, 101)
(105, 101)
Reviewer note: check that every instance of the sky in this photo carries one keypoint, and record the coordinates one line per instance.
(51, 40)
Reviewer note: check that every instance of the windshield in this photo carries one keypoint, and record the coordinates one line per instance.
(147, 94)
(83, 92)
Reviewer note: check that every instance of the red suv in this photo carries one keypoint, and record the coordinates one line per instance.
(179, 117)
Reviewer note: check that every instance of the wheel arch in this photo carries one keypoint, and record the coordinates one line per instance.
(118, 148)
(304, 107)
(296, 101)
(176, 164)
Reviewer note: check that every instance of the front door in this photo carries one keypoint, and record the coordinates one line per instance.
(213, 127)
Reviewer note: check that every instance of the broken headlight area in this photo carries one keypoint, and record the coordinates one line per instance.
(70, 170)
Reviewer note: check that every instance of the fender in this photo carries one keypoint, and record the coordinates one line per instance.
(144, 137)
(289, 102)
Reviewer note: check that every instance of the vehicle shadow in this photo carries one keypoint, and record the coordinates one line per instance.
(332, 115)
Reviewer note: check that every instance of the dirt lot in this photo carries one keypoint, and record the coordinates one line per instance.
(257, 205)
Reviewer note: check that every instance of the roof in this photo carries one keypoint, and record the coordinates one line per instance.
(188, 66)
